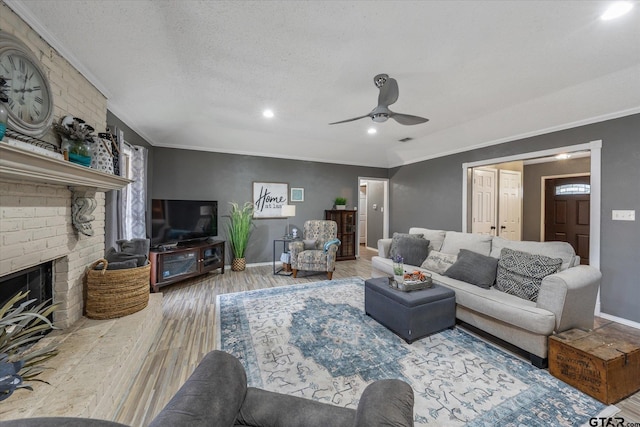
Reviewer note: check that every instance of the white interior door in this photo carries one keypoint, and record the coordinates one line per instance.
(510, 200)
(362, 214)
(484, 201)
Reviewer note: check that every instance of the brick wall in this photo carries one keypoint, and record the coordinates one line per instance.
(72, 93)
(35, 227)
(35, 219)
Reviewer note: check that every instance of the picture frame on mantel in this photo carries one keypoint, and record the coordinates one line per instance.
(297, 194)
(268, 199)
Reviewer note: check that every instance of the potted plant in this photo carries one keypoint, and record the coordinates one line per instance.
(238, 231)
(340, 203)
(20, 327)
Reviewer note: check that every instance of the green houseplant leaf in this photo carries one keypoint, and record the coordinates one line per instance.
(239, 227)
(340, 201)
(20, 327)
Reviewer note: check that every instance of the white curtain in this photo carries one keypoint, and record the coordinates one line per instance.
(133, 214)
(126, 208)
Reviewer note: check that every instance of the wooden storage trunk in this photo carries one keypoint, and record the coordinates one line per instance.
(605, 368)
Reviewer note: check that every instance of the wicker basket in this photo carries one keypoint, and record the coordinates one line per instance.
(116, 293)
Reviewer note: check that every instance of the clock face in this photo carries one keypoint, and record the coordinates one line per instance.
(29, 102)
(28, 98)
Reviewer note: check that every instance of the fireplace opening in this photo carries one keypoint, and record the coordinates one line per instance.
(37, 280)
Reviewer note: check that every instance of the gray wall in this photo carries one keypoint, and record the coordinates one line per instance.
(185, 174)
(531, 190)
(429, 194)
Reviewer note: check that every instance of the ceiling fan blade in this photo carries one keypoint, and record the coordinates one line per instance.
(407, 119)
(388, 92)
(351, 120)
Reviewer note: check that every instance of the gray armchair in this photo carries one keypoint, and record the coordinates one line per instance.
(310, 254)
(216, 394)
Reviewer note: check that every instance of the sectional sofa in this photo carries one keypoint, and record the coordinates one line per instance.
(565, 299)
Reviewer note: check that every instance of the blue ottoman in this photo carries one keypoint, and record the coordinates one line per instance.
(411, 315)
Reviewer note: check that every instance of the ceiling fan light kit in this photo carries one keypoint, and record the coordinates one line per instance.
(388, 87)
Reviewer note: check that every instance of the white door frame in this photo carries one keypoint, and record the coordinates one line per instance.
(595, 147)
(385, 213)
(366, 218)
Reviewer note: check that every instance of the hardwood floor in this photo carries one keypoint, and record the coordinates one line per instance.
(187, 333)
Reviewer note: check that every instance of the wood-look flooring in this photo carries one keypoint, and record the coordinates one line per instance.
(188, 328)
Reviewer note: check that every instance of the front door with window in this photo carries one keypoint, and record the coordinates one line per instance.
(566, 219)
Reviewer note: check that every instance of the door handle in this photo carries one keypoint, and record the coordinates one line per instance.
(493, 227)
(502, 227)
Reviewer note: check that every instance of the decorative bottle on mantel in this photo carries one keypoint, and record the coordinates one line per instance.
(4, 116)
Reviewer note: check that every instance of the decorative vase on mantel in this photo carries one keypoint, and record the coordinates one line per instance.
(79, 152)
(239, 264)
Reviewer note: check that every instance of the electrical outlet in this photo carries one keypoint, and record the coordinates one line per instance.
(619, 215)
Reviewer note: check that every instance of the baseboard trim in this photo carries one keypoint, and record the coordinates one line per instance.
(621, 320)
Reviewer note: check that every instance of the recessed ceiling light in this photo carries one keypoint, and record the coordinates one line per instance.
(563, 156)
(268, 113)
(616, 10)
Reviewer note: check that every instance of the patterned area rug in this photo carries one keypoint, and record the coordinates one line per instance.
(314, 341)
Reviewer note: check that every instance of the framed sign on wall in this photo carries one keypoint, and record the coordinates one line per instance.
(297, 195)
(268, 199)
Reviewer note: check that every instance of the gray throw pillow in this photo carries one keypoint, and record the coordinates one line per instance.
(394, 250)
(413, 251)
(438, 262)
(474, 268)
(521, 273)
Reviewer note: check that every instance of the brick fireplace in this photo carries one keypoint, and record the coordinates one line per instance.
(36, 195)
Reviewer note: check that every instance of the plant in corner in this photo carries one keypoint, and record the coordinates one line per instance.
(21, 326)
(238, 231)
(340, 203)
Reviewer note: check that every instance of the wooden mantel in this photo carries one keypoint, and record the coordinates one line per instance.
(23, 165)
(83, 182)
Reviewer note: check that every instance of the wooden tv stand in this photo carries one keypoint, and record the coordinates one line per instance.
(183, 261)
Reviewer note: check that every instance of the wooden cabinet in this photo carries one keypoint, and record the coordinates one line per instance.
(347, 232)
(184, 261)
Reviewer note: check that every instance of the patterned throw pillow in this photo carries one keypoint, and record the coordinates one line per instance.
(439, 262)
(521, 273)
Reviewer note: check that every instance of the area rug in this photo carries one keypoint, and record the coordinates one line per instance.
(314, 341)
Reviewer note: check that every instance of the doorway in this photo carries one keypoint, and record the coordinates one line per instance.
(496, 202)
(510, 205)
(373, 211)
(483, 204)
(594, 150)
(567, 205)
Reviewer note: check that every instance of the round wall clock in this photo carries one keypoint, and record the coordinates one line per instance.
(30, 104)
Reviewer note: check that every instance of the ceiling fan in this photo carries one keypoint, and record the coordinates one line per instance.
(388, 95)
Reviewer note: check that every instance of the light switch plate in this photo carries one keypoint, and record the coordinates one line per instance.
(620, 215)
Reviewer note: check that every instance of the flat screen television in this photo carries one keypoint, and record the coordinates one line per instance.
(182, 221)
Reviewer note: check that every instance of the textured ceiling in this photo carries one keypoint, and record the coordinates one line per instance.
(197, 74)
